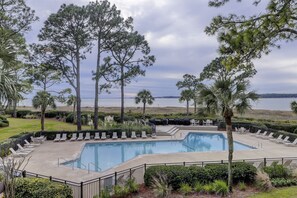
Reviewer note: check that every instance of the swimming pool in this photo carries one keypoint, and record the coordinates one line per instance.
(104, 155)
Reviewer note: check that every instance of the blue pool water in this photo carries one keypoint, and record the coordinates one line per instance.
(102, 156)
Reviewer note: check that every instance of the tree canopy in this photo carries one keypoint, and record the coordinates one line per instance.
(244, 38)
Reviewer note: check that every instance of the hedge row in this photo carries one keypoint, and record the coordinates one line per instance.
(41, 188)
(177, 175)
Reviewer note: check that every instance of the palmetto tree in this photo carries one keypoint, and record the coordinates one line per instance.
(8, 85)
(145, 97)
(226, 95)
(294, 107)
(43, 100)
(187, 95)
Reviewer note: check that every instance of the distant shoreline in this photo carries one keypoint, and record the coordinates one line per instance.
(256, 113)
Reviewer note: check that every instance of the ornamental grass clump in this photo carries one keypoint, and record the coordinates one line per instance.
(185, 189)
(160, 186)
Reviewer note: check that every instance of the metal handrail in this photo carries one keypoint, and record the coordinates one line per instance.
(97, 167)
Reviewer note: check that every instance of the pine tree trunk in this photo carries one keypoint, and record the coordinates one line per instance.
(78, 99)
(230, 150)
(187, 107)
(42, 119)
(122, 94)
(74, 114)
(195, 107)
(96, 105)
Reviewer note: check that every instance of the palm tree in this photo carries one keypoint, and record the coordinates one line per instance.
(186, 95)
(71, 100)
(8, 85)
(227, 90)
(42, 100)
(294, 107)
(225, 96)
(145, 97)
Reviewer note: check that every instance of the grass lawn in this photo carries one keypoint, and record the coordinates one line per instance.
(17, 125)
(289, 192)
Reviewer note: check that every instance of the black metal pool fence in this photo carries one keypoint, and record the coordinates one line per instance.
(93, 187)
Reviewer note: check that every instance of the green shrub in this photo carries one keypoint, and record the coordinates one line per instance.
(23, 113)
(241, 186)
(168, 171)
(220, 187)
(3, 124)
(185, 189)
(208, 188)
(241, 172)
(277, 171)
(41, 188)
(198, 187)
(120, 191)
(104, 194)
(281, 182)
(132, 186)
(198, 174)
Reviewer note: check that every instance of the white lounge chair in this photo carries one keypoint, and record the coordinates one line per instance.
(103, 136)
(80, 137)
(74, 137)
(63, 138)
(40, 139)
(97, 136)
(257, 133)
(286, 140)
(133, 135)
(28, 144)
(124, 136)
(114, 135)
(87, 136)
(58, 137)
(279, 138)
(23, 150)
(291, 144)
(268, 136)
(143, 134)
(261, 134)
(17, 154)
(154, 135)
(236, 129)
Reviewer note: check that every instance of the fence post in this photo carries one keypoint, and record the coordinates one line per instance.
(202, 164)
(130, 173)
(222, 161)
(265, 162)
(24, 173)
(184, 163)
(115, 178)
(282, 161)
(50, 178)
(144, 168)
(99, 185)
(81, 189)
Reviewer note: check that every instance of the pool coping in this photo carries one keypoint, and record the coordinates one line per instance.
(47, 164)
(151, 140)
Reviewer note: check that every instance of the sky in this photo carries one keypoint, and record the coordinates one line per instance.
(175, 32)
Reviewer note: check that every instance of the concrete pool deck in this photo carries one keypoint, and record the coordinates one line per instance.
(44, 159)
